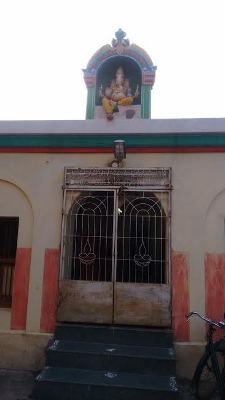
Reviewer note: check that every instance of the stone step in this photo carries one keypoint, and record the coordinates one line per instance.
(115, 334)
(81, 384)
(87, 355)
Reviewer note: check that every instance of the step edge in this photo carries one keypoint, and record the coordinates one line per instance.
(116, 327)
(166, 378)
(114, 355)
(124, 386)
(119, 353)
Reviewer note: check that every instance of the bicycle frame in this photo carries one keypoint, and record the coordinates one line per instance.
(211, 351)
(215, 365)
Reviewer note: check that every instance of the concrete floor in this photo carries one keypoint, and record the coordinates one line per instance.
(17, 385)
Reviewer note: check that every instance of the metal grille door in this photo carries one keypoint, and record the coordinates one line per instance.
(142, 235)
(90, 237)
(86, 295)
(141, 290)
(115, 254)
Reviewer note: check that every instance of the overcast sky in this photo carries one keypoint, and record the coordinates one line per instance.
(44, 44)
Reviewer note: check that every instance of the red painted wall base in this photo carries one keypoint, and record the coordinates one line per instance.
(180, 297)
(50, 290)
(20, 289)
(215, 287)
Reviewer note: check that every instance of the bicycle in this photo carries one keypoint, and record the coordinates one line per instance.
(208, 381)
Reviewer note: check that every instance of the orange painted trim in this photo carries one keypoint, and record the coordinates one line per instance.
(215, 287)
(49, 290)
(99, 150)
(20, 289)
(180, 297)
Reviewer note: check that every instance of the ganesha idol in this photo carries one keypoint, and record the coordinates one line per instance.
(117, 94)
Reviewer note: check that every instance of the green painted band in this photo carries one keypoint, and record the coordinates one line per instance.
(89, 141)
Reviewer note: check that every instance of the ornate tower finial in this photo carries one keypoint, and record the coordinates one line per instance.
(120, 34)
(120, 40)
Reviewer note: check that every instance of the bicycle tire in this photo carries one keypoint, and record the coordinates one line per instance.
(204, 384)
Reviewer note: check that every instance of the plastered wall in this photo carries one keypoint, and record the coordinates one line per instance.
(31, 188)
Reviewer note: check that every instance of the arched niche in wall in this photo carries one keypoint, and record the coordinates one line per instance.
(107, 70)
(16, 227)
(215, 224)
(15, 203)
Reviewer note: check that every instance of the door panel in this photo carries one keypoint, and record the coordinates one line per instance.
(142, 304)
(87, 293)
(141, 295)
(84, 301)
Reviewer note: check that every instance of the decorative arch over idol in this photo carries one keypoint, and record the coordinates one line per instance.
(119, 79)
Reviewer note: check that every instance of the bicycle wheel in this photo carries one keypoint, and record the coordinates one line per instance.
(204, 383)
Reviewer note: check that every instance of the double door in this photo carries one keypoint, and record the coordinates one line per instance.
(116, 258)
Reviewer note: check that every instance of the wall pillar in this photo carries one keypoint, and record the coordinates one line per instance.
(49, 291)
(90, 110)
(145, 101)
(20, 289)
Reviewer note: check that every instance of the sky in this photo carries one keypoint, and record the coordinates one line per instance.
(44, 44)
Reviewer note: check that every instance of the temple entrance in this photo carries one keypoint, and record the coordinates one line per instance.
(115, 258)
